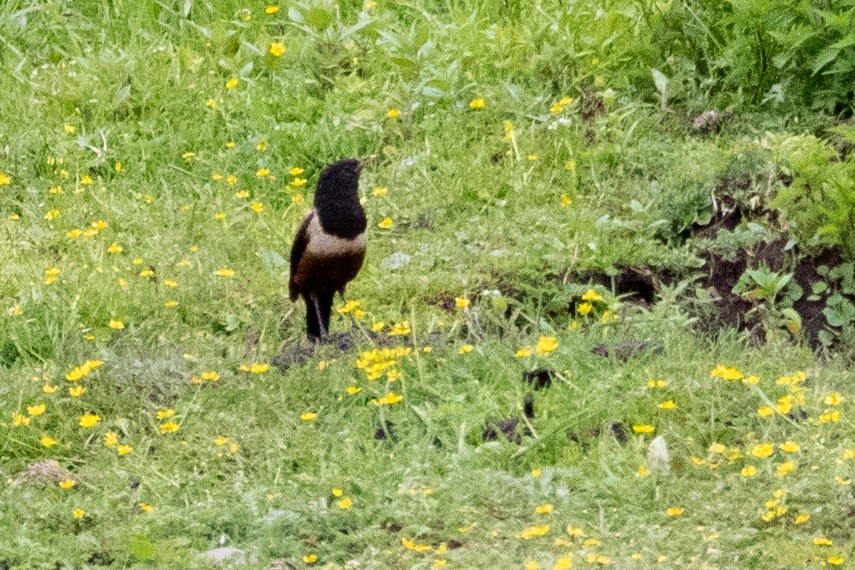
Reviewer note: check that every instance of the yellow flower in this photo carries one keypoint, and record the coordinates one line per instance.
(668, 405)
(262, 172)
(296, 171)
(257, 207)
(115, 248)
(556, 108)
(86, 180)
(119, 168)
(765, 411)
(563, 563)
(232, 83)
(51, 275)
(47, 441)
(674, 511)
(751, 380)
(836, 560)
(5, 179)
(297, 182)
(89, 420)
(393, 113)
(833, 416)
(801, 519)
(36, 410)
(277, 49)
(726, 373)
(20, 419)
(386, 223)
(784, 468)
(465, 348)
(210, 375)
(834, 399)
(76, 391)
(410, 545)
(565, 201)
(308, 416)
(642, 471)
(584, 308)
(524, 352)
(344, 503)
(310, 558)
(225, 272)
(297, 198)
(145, 507)
(546, 345)
(169, 427)
(822, 541)
(477, 103)
(748, 471)
(763, 450)
(78, 513)
(591, 295)
(643, 428)
(83, 370)
(116, 324)
(400, 329)
(544, 509)
(70, 129)
(461, 302)
(389, 399)
(790, 447)
(124, 449)
(52, 214)
(533, 531)
(67, 484)
(353, 390)
(165, 413)
(111, 438)
(258, 368)
(271, 9)
(49, 389)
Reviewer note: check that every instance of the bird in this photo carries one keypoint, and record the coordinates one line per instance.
(329, 247)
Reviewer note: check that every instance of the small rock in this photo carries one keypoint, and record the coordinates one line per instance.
(225, 553)
(658, 456)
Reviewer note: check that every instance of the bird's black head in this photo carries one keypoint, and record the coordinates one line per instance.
(337, 199)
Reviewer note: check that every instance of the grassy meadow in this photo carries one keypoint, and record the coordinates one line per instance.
(156, 158)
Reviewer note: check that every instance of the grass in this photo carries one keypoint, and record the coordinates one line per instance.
(122, 125)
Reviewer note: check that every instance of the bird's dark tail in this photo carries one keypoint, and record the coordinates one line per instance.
(318, 316)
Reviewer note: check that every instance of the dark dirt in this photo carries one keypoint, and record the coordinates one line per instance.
(386, 430)
(509, 427)
(635, 284)
(721, 274)
(540, 378)
(616, 429)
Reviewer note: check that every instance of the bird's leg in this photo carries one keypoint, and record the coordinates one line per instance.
(317, 306)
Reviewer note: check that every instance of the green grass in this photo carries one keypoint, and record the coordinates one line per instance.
(125, 107)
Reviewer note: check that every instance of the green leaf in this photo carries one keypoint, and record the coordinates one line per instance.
(142, 548)
(660, 80)
(318, 17)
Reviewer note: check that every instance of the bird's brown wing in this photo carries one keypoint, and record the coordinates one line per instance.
(297, 250)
